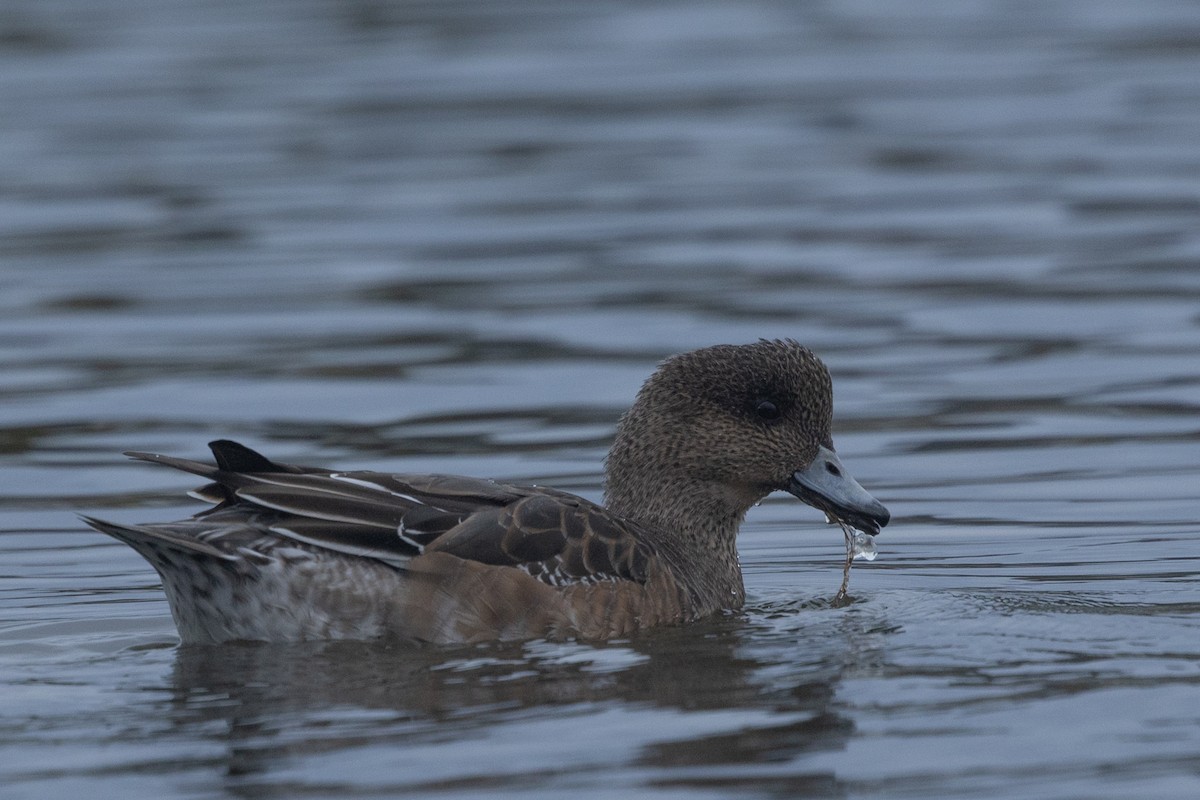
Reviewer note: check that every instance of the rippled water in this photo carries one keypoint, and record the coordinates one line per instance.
(456, 237)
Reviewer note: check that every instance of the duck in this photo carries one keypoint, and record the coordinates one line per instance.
(292, 553)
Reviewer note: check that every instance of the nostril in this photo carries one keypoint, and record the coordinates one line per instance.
(832, 470)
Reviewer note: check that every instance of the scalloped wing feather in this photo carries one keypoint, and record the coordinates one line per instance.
(556, 537)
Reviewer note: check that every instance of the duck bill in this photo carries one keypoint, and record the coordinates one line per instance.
(826, 485)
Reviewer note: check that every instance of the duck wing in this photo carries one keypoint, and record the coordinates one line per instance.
(554, 536)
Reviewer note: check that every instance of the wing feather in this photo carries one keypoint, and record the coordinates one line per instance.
(554, 536)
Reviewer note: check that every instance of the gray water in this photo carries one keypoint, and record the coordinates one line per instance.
(456, 236)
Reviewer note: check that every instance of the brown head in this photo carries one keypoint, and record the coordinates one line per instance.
(715, 430)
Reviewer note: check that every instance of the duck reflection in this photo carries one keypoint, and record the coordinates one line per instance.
(268, 702)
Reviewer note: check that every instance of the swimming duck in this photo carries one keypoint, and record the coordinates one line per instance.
(292, 553)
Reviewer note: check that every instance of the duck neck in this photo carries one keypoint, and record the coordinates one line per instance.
(691, 524)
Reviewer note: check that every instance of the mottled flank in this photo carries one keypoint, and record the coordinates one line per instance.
(291, 553)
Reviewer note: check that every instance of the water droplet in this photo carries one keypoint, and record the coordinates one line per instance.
(863, 546)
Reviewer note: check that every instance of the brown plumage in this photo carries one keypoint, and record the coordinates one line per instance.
(294, 552)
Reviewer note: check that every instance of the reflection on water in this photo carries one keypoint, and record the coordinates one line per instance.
(268, 704)
(455, 238)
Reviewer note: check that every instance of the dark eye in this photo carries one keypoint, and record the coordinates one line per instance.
(767, 411)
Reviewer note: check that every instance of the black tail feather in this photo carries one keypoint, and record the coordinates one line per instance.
(232, 456)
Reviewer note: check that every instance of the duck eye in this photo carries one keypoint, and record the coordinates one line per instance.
(767, 411)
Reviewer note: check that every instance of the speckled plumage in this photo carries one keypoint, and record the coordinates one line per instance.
(291, 553)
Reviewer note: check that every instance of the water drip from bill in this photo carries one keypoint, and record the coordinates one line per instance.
(858, 545)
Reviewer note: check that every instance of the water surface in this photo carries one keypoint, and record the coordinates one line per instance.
(442, 237)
